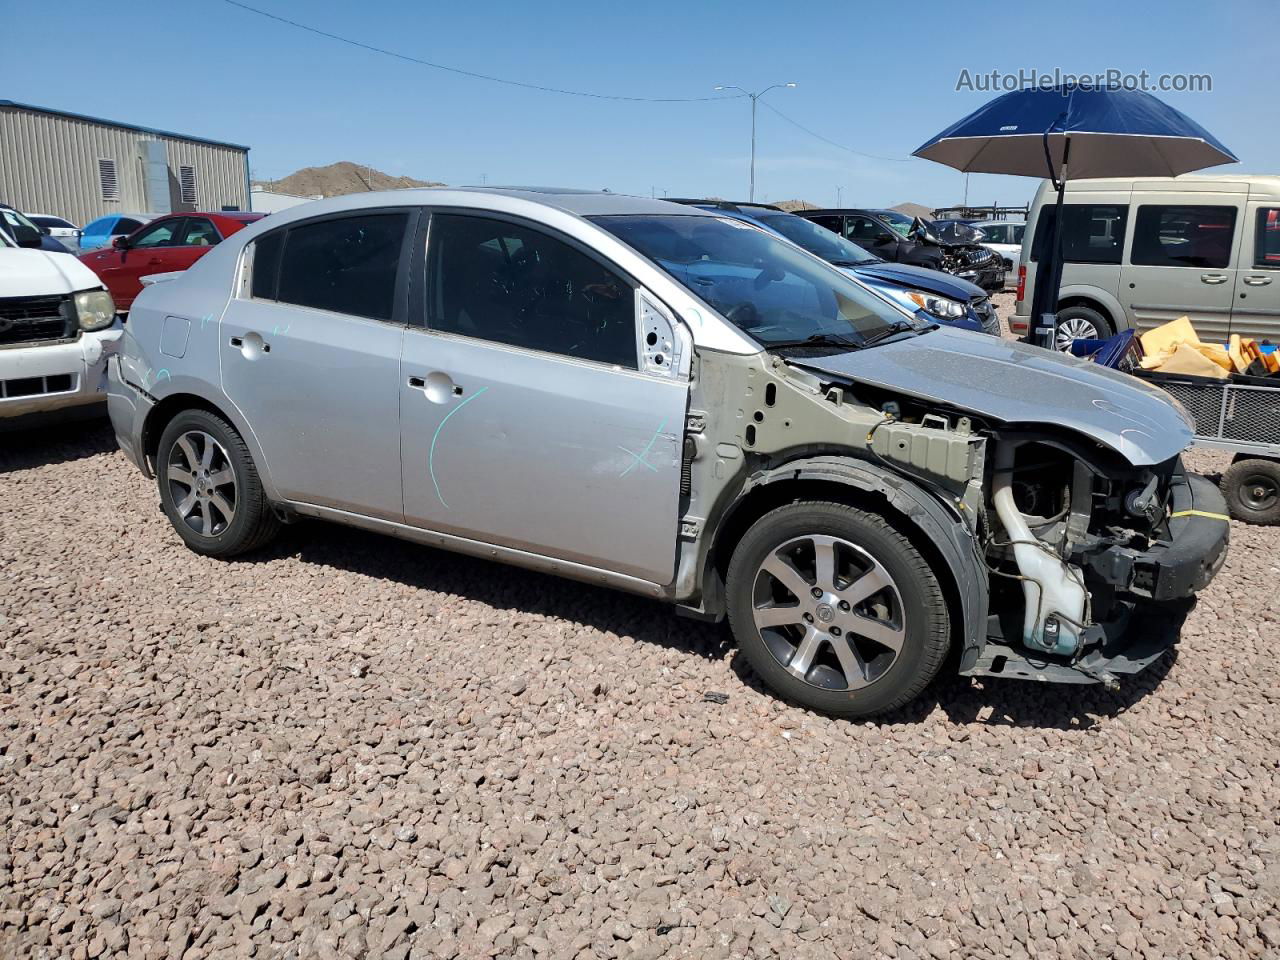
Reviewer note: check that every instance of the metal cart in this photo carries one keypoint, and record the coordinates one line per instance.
(1240, 416)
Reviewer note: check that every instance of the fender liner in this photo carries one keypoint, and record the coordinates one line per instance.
(940, 524)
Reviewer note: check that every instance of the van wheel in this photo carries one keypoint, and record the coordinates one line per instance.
(209, 487)
(836, 610)
(1252, 490)
(1081, 323)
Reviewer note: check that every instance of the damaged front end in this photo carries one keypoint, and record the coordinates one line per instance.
(1094, 537)
(1093, 561)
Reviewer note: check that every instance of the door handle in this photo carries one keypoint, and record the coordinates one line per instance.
(254, 345)
(1213, 278)
(1257, 281)
(436, 387)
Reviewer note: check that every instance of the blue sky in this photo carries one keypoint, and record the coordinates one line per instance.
(867, 74)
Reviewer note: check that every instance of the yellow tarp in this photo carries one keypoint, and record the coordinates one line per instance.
(1175, 347)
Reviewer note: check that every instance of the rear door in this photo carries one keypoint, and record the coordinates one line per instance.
(1256, 311)
(1182, 260)
(535, 414)
(310, 356)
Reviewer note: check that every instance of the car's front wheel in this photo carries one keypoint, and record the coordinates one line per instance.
(835, 609)
(209, 486)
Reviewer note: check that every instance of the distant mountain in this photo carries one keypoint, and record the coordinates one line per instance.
(914, 210)
(338, 179)
(791, 206)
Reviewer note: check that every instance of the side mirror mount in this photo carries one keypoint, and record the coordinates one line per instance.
(121, 242)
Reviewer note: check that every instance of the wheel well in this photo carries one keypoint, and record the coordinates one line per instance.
(1092, 304)
(773, 495)
(166, 410)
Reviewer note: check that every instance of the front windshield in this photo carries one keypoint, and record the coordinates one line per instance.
(819, 241)
(898, 221)
(765, 286)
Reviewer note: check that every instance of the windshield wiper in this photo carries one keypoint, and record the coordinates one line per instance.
(893, 329)
(853, 263)
(815, 340)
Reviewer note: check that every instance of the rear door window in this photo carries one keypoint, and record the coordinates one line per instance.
(1183, 235)
(344, 265)
(1092, 232)
(200, 233)
(1266, 242)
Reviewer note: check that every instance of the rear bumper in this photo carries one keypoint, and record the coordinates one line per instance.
(128, 408)
(45, 377)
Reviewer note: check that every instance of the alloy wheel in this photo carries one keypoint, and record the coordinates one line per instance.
(829, 612)
(202, 483)
(1072, 329)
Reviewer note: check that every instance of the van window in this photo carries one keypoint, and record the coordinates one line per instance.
(1092, 232)
(344, 265)
(1266, 243)
(503, 282)
(1183, 235)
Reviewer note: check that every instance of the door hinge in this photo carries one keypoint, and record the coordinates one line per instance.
(696, 421)
(690, 528)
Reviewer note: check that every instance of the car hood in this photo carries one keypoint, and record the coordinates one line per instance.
(922, 278)
(38, 273)
(1015, 383)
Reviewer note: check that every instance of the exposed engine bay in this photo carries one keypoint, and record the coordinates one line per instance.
(1066, 529)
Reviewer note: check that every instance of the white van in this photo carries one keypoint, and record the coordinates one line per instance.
(1142, 251)
(58, 324)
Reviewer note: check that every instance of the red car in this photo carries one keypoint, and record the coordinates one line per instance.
(168, 243)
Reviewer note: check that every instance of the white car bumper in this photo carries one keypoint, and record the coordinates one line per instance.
(53, 376)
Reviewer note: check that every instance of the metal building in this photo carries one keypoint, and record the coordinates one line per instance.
(81, 167)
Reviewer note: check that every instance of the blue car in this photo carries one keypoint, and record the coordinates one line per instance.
(947, 299)
(103, 231)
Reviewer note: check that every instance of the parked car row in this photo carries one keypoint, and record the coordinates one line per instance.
(678, 401)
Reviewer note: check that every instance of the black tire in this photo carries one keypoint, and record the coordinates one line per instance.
(923, 619)
(1081, 316)
(253, 523)
(1252, 490)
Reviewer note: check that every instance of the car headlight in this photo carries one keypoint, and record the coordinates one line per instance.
(943, 308)
(95, 309)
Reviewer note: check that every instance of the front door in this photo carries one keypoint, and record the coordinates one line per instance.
(527, 420)
(1182, 262)
(1256, 311)
(311, 358)
(122, 269)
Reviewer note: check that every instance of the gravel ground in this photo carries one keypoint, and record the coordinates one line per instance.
(352, 746)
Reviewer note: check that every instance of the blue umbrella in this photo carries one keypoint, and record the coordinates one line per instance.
(1090, 132)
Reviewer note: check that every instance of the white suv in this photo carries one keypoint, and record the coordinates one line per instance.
(57, 327)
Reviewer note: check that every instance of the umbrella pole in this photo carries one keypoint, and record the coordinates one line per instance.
(1045, 305)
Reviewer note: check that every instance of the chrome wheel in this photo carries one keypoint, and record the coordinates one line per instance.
(202, 483)
(1072, 329)
(829, 612)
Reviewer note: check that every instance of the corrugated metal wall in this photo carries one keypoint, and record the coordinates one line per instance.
(49, 164)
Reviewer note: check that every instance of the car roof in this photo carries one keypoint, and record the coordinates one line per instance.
(579, 203)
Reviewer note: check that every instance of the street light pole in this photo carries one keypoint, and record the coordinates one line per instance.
(754, 98)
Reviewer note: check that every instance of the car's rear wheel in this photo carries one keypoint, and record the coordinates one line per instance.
(836, 610)
(209, 487)
(1081, 323)
(1252, 490)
